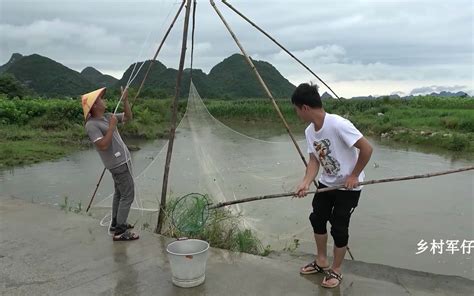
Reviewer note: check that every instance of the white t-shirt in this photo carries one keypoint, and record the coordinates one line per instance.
(333, 147)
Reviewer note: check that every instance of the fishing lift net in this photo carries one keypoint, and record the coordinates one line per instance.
(215, 161)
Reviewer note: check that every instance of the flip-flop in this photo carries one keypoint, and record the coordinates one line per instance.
(313, 268)
(126, 236)
(331, 274)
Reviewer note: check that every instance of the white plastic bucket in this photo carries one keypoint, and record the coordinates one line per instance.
(188, 258)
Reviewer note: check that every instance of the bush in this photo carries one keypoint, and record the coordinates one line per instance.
(458, 143)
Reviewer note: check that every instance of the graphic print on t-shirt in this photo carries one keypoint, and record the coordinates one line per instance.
(331, 165)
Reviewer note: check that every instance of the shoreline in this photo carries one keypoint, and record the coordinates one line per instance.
(37, 152)
(34, 131)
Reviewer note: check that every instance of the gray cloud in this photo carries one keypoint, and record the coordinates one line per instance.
(396, 43)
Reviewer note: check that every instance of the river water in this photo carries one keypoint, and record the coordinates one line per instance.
(390, 221)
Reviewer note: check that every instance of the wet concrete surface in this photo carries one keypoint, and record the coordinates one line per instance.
(46, 251)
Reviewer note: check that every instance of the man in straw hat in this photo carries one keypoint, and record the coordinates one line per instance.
(342, 151)
(102, 130)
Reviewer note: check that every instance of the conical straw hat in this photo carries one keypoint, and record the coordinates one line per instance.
(89, 99)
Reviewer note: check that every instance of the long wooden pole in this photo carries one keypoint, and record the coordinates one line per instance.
(428, 175)
(262, 83)
(164, 189)
(192, 40)
(279, 45)
(157, 52)
(95, 191)
(138, 93)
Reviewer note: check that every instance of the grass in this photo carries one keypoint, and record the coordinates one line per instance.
(222, 229)
(35, 130)
(448, 129)
(40, 130)
(23, 145)
(68, 206)
(444, 123)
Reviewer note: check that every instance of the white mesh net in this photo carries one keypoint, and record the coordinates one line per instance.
(211, 158)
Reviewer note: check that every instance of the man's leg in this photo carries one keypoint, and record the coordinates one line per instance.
(125, 185)
(346, 202)
(321, 249)
(126, 200)
(322, 207)
(115, 204)
(339, 254)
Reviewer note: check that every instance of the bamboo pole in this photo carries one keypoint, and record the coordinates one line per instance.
(281, 46)
(262, 83)
(164, 188)
(95, 191)
(138, 93)
(192, 40)
(270, 196)
(158, 51)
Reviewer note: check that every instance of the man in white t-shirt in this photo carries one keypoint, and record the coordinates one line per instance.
(335, 145)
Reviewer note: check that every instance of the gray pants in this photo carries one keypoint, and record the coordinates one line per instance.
(123, 196)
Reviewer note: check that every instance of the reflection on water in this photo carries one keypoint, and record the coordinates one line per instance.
(386, 227)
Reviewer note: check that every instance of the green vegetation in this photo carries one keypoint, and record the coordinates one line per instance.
(10, 86)
(34, 130)
(222, 229)
(445, 123)
(293, 246)
(67, 206)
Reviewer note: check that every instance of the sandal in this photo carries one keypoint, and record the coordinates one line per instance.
(126, 236)
(129, 226)
(331, 274)
(312, 267)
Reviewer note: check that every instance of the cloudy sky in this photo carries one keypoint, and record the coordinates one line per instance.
(359, 47)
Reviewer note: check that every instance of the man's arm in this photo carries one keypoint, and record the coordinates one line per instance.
(127, 110)
(364, 156)
(311, 173)
(104, 143)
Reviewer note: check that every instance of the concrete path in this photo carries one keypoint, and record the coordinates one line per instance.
(45, 251)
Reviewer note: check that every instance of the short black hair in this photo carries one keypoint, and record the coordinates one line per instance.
(306, 94)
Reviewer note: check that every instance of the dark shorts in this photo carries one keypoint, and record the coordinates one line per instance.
(336, 207)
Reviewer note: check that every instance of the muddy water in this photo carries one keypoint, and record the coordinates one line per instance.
(390, 221)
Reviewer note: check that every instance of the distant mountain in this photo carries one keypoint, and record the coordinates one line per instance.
(47, 77)
(159, 77)
(326, 96)
(363, 98)
(14, 58)
(235, 79)
(449, 94)
(231, 78)
(446, 94)
(153, 78)
(97, 78)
